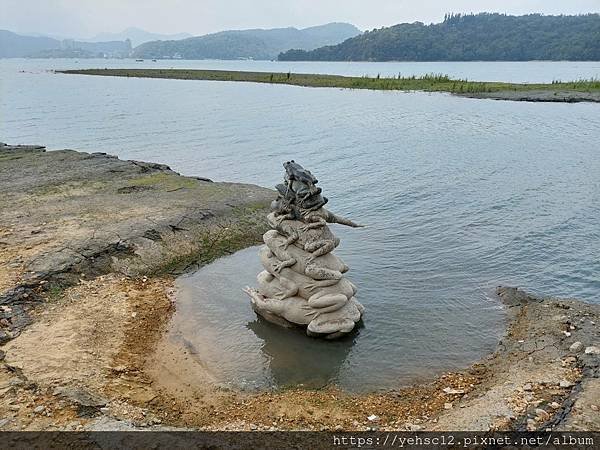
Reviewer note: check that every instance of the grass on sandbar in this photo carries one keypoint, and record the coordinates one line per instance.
(429, 82)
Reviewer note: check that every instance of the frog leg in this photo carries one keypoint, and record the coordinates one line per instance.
(320, 248)
(278, 267)
(327, 301)
(315, 222)
(321, 273)
(288, 288)
(290, 240)
(286, 260)
(315, 284)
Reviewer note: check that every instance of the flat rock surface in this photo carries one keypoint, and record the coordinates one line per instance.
(67, 212)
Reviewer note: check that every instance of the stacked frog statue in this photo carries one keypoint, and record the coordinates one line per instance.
(303, 283)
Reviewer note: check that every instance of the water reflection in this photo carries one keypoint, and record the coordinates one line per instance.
(294, 359)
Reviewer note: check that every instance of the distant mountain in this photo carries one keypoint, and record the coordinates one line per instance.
(48, 35)
(137, 36)
(70, 48)
(13, 45)
(486, 37)
(247, 44)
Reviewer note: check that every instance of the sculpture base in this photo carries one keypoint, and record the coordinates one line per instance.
(295, 312)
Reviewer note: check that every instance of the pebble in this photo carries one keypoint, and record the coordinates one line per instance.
(592, 350)
(554, 405)
(372, 418)
(16, 382)
(569, 360)
(39, 409)
(4, 337)
(565, 384)
(542, 414)
(447, 405)
(3, 422)
(576, 347)
(449, 390)
(567, 334)
(594, 407)
(527, 387)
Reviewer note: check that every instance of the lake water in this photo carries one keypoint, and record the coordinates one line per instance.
(460, 195)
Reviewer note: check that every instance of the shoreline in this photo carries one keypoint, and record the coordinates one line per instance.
(561, 92)
(90, 245)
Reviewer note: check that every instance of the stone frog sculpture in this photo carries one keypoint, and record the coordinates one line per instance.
(330, 294)
(315, 236)
(300, 181)
(327, 267)
(303, 282)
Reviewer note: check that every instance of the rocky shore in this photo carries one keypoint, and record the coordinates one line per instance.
(89, 247)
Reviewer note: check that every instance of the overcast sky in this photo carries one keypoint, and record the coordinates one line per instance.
(85, 18)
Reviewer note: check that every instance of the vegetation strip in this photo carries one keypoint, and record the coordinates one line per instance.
(580, 90)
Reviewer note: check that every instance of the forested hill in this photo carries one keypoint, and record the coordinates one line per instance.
(254, 44)
(485, 37)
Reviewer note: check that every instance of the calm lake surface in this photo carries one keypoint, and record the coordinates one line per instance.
(460, 195)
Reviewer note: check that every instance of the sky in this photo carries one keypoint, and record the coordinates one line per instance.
(86, 18)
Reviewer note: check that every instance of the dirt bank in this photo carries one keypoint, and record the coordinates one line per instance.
(538, 95)
(89, 246)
